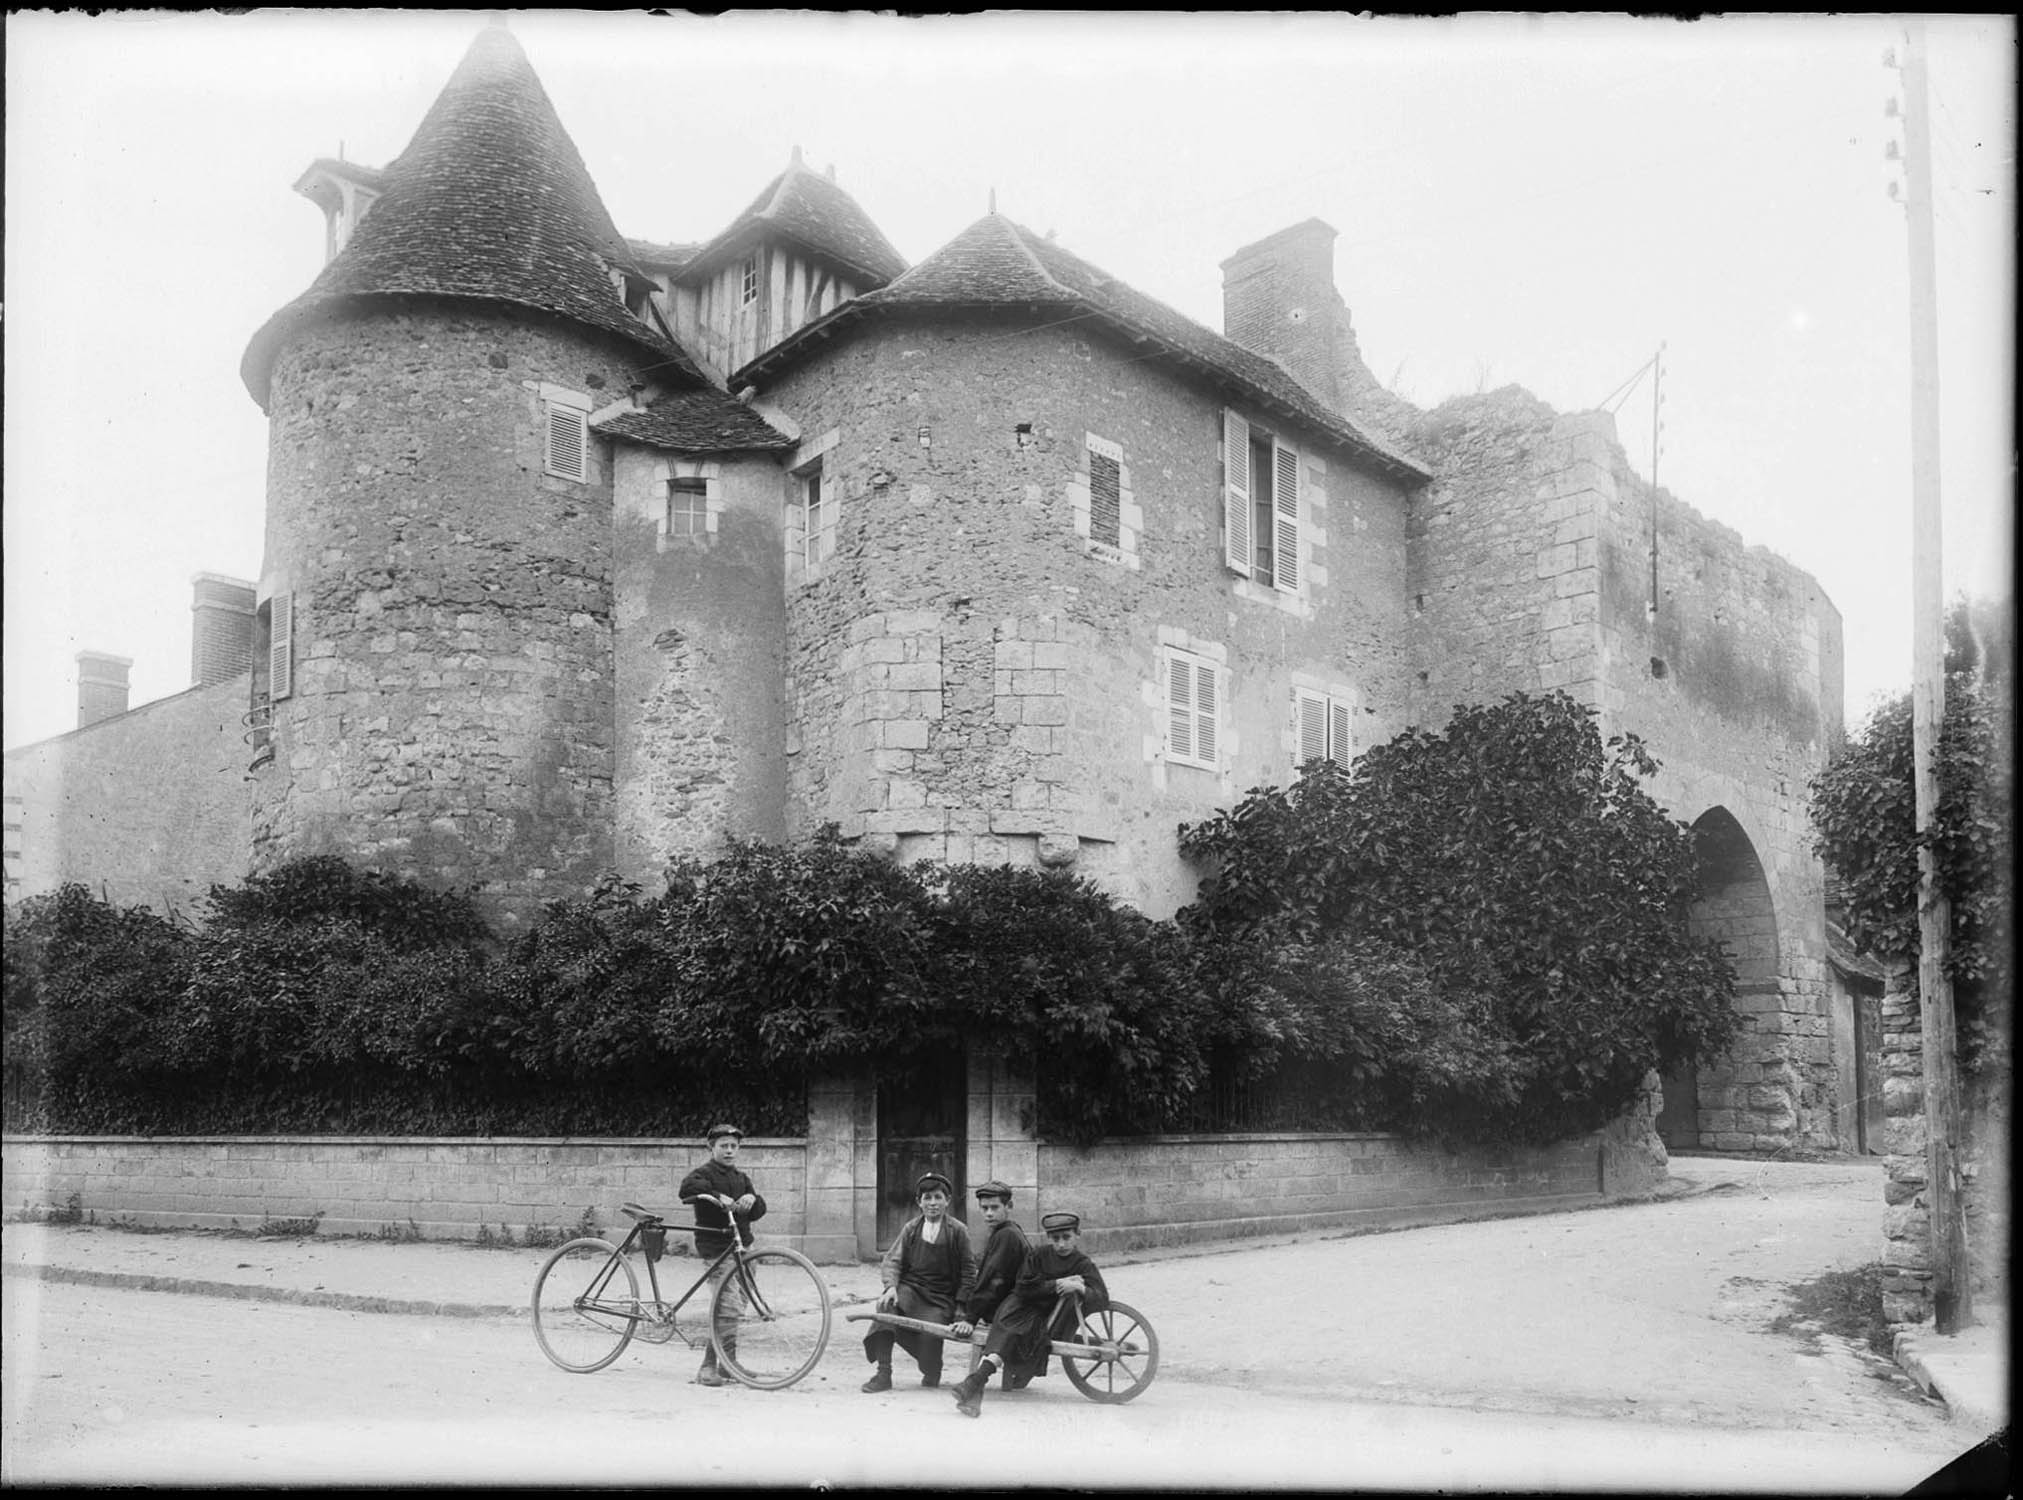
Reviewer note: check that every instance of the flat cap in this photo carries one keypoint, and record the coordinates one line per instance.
(928, 1180)
(1052, 1222)
(994, 1189)
(722, 1130)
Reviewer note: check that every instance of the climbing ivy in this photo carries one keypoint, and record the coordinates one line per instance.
(1864, 815)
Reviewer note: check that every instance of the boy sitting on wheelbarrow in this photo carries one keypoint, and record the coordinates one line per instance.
(928, 1273)
(1057, 1283)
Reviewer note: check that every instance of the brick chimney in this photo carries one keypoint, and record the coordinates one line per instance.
(101, 686)
(1279, 300)
(221, 632)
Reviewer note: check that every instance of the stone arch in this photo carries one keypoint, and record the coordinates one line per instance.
(1749, 1098)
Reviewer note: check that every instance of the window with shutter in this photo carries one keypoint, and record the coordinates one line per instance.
(281, 646)
(1105, 512)
(1285, 518)
(568, 442)
(1191, 736)
(1236, 493)
(1320, 729)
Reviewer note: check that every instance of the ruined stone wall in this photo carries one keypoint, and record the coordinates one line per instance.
(1531, 570)
(1735, 683)
(698, 648)
(1504, 584)
(452, 709)
(151, 807)
(971, 675)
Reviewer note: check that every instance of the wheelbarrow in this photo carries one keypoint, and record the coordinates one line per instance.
(1110, 1357)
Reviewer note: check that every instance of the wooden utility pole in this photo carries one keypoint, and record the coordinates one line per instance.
(1952, 1305)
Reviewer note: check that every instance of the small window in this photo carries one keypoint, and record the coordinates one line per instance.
(749, 282)
(1321, 730)
(1191, 695)
(818, 518)
(1105, 499)
(568, 441)
(687, 507)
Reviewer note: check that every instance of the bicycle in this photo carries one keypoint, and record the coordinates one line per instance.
(768, 1314)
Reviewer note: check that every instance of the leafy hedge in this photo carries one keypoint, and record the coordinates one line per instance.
(1478, 934)
(1529, 893)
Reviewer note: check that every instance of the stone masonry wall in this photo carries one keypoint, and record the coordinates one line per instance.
(1741, 713)
(1504, 587)
(444, 1188)
(1982, 1155)
(972, 676)
(1167, 1190)
(698, 644)
(151, 806)
(1531, 571)
(452, 711)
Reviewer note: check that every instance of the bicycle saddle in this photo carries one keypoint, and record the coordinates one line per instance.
(645, 1215)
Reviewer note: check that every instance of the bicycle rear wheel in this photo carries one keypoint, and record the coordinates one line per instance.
(586, 1305)
(771, 1324)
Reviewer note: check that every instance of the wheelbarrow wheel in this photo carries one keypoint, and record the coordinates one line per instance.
(1128, 1360)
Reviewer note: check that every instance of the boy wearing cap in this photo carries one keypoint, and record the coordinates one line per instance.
(999, 1263)
(1026, 1321)
(719, 1178)
(928, 1274)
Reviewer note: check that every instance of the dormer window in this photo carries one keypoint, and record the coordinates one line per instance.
(750, 280)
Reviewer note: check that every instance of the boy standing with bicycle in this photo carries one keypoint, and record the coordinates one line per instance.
(707, 1190)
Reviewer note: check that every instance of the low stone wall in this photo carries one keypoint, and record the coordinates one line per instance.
(1982, 1154)
(440, 1188)
(820, 1192)
(1182, 1189)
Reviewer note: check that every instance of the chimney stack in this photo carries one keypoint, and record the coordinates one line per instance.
(1279, 300)
(102, 686)
(221, 633)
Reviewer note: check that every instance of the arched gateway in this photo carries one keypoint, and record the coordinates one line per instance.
(1747, 1100)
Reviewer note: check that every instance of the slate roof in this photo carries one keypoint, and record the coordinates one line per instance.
(995, 263)
(705, 421)
(654, 255)
(808, 207)
(490, 201)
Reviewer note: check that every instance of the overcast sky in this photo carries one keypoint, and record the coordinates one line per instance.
(1538, 202)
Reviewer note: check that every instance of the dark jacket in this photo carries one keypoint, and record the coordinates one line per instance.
(714, 1177)
(997, 1270)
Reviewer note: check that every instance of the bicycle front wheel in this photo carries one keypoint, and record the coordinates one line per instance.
(770, 1321)
(586, 1305)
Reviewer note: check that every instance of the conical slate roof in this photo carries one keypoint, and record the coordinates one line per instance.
(489, 201)
(810, 208)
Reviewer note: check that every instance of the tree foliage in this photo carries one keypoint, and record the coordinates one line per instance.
(1864, 815)
(1520, 863)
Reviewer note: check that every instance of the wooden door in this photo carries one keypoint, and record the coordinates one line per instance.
(923, 1112)
(1679, 1116)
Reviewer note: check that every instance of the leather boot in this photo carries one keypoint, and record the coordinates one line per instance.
(709, 1374)
(881, 1380)
(969, 1394)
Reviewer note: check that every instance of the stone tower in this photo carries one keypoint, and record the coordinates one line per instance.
(433, 639)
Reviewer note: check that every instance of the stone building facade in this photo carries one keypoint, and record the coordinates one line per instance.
(585, 553)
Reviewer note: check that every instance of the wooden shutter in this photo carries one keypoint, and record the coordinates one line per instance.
(1204, 712)
(567, 442)
(1236, 492)
(1285, 518)
(280, 646)
(1310, 726)
(1180, 707)
(1340, 751)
